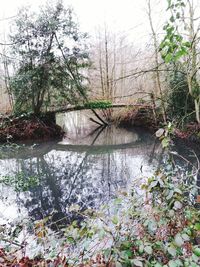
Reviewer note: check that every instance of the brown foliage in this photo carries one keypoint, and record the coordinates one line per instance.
(34, 128)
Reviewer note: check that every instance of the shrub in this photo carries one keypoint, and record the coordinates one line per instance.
(158, 226)
(180, 102)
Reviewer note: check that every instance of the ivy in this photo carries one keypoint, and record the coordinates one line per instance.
(174, 47)
(20, 182)
(98, 104)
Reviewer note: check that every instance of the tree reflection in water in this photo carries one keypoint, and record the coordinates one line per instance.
(87, 175)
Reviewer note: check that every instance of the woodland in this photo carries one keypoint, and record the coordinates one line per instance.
(49, 66)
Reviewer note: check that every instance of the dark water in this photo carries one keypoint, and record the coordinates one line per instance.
(88, 167)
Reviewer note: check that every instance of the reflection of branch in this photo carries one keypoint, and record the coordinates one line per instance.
(98, 134)
(151, 157)
(91, 119)
(95, 113)
(76, 173)
(80, 167)
(94, 131)
(9, 43)
(160, 158)
(11, 242)
(55, 190)
(180, 156)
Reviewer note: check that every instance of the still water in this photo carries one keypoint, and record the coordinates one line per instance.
(88, 167)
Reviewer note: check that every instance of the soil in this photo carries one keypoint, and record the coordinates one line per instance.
(191, 133)
(45, 128)
(29, 128)
(143, 117)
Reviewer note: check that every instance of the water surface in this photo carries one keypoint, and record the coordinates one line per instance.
(89, 167)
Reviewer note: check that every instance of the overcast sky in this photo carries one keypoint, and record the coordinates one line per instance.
(128, 16)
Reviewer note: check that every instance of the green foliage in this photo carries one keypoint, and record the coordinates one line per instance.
(98, 104)
(174, 47)
(180, 102)
(158, 227)
(51, 55)
(165, 135)
(20, 181)
(177, 47)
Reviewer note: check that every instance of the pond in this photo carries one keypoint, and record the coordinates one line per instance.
(89, 167)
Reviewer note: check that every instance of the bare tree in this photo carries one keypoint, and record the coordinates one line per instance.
(157, 78)
(114, 58)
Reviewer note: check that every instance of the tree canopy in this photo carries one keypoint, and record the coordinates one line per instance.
(51, 57)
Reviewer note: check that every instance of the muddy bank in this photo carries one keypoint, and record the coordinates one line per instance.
(190, 133)
(145, 118)
(29, 128)
(140, 117)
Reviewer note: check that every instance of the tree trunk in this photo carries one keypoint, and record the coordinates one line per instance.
(155, 43)
(107, 66)
(191, 74)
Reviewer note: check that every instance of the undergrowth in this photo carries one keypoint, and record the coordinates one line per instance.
(155, 225)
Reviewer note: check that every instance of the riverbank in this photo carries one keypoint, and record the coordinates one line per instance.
(190, 133)
(28, 127)
(145, 118)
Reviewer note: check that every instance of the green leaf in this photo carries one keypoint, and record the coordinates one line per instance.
(178, 15)
(178, 240)
(185, 237)
(172, 264)
(152, 226)
(179, 54)
(171, 213)
(101, 234)
(137, 262)
(115, 220)
(148, 250)
(118, 201)
(128, 253)
(170, 195)
(160, 132)
(177, 190)
(168, 58)
(165, 142)
(178, 205)
(141, 249)
(197, 226)
(169, 3)
(153, 184)
(197, 252)
(187, 44)
(195, 258)
(74, 207)
(172, 19)
(172, 251)
(179, 262)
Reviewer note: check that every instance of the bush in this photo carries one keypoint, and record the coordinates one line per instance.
(155, 226)
(180, 102)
